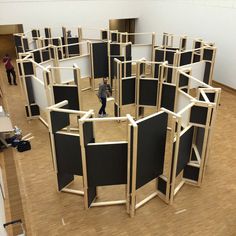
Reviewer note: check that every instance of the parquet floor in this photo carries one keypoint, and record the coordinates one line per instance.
(209, 210)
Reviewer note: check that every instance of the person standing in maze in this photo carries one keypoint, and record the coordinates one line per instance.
(104, 92)
(9, 69)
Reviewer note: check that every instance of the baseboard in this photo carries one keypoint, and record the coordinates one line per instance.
(223, 86)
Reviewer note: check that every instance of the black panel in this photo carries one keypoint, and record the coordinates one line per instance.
(26, 44)
(52, 53)
(141, 111)
(100, 59)
(198, 115)
(185, 147)
(45, 55)
(88, 133)
(191, 172)
(115, 49)
(56, 42)
(106, 164)
(34, 108)
(128, 52)
(74, 49)
(91, 195)
(46, 42)
(113, 64)
(200, 139)
(17, 40)
(170, 57)
(148, 92)
(169, 74)
(28, 68)
(151, 148)
(37, 56)
(156, 70)
(183, 43)
(128, 91)
(162, 185)
(128, 69)
(104, 35)
(63, 180)
(207, 72)
(211, 96)
(185, 58)
(168, 96)
(183, 80)
(69, 93)
(197, 45)
(30, 91)
(114, 37)
(196, 58)
(159, 55)
(59, 120)
(35, 33)
(47, 33)
(116, 110)
(68, 154)
(208, 54)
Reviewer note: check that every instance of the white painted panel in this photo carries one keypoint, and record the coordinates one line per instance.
(39, 93)
(142, 51)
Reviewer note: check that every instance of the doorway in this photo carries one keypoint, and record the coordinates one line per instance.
(124, 25)
(7, 40)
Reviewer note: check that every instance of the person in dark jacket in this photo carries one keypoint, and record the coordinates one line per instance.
(104, 92)
(9, 69)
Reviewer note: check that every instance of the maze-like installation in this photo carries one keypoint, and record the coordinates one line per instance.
(173, 79)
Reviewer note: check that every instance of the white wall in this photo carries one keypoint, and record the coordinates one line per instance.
(213, 21)
(36, 13)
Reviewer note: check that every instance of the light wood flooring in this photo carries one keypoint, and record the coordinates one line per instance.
(209, 210)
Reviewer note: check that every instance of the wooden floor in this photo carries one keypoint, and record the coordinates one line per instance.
(209, 210)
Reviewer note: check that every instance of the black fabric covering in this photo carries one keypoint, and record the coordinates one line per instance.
(211, 96)
(114, 49)
(128, 51)
(128, 69)
(52, 53)
(26, 44)
(100, 59)
(45, 55)
(88, 133)
(116, 110)
(74, 49)
(30, 91)
(199, 139)
(63, 179)
(34, 108)
(183, 43)
(168, 96)
(56, 42)
(207, 72)
(104, 35)
(208, 54)
(114, 37)
(128, 91)
(159, 55)
(37, 57)
(196, 58)
(170, 57)
(113, 64)
(193, 157)
(46, 42)
(161, 186)
(169, 74)
(185, 58)
(191, 172)
(17, 40)
(106, 164)
(59, 120)
(198, 115)
(148, 92)
(156, 70)
(35, 33)
(68, 154)
(183, 80)
(69, 93)
(151, 148)
(185, 147)
(197, 44)
(28, 68)
(47, 33)
(92, 193)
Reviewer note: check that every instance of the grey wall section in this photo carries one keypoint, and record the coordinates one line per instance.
(168, 96)
(68, 154)
(185, 147)
(106, 164)
(151, 148)
(69, 93)
(148, 92)
(59, 120)
(100, 59)
(128, 91)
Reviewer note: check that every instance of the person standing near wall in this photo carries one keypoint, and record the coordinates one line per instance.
(104, 92)
(9, 69)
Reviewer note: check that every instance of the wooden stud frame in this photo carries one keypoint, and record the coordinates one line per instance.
(58, 108)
